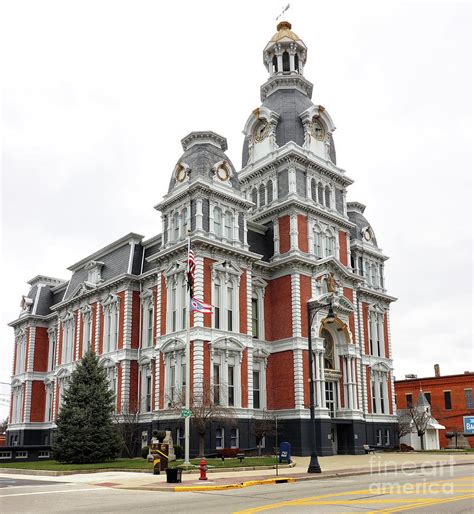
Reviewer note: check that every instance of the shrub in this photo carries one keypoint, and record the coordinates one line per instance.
(178, 451)
(145, 451)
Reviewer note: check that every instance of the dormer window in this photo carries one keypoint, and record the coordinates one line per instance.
(94, 272)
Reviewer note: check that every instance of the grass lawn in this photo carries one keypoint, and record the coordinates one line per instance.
(132, 464)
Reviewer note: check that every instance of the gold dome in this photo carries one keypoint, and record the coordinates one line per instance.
(284, 30)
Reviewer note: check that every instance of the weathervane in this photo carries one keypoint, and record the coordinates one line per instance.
(282, 12)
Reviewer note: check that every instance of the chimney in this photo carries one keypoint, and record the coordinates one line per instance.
(437, 373)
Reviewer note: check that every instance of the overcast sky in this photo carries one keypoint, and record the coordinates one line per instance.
(97, 96)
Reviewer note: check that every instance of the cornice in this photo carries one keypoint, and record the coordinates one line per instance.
(364, 248)
(377, 294)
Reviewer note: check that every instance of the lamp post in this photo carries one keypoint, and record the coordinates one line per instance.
(312, 309)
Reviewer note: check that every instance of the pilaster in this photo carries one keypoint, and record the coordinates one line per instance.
(127, 320)
(296, 304)
(298, 378)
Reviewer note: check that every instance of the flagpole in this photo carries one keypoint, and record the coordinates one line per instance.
(188, 366)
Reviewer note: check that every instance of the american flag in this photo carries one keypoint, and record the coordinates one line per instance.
(191, 270)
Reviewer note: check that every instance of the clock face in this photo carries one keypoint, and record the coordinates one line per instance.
(261, 131)
(367, 235)
(317, 130)
(180, 173)
(222, 173)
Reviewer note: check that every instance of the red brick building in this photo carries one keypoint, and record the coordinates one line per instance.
(265, 239)
(450, 398)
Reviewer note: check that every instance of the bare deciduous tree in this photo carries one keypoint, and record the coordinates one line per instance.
(128, 426)
(263, 426)
(404, 426)
(206, 409)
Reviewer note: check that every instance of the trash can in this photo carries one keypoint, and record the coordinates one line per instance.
(173, 475)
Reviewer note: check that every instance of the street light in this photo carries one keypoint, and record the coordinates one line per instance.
(312, 309)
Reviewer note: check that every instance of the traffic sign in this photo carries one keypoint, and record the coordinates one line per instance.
(185, 413)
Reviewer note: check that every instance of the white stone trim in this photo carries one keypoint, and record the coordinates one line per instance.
(296, 304)
(249, 304)
(199, 289)
(97, 327)
(125, 385)
(127, 319)
(298, 378)
(198, 368)
(31, 348)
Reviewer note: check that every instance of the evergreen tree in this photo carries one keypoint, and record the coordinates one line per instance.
(85, 429)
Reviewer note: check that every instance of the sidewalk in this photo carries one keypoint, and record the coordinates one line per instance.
(335, 466)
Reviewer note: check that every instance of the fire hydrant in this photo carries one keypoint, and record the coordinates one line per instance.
(203, 469)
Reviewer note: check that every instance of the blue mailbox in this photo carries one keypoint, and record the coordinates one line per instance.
(284, 453)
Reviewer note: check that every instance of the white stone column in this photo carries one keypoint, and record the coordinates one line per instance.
(198, 368)
(291, 180)
(250, 379)
(310, 235)
(31, 349)
(245, 233)
(235, 234)
(322, 381)
(276, 237)
(275, 189)
(97, 328)
(354, 384)
(125, 365)
(293, 231)
(248, 331)
(199, 289)
(296, 304)
(298, 378)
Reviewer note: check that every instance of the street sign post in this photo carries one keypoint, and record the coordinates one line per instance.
(185, 413)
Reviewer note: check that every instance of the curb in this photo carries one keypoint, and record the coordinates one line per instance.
(280, 480)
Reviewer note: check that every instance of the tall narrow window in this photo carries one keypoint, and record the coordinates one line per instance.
(52, 349)
(261, 195)
(149, 336)
(148, 394)
(172, 383)
(174, 308)
(228, 225)
(217, 222)
(217, 384)
(330, 398)
(317, 244)
(255, 319)
(371, 334)
(313, 189)
(327, 196)
(374, 397)
(230, 386)
(361, 266)
(468, 395)
(320, 194)
(275, 64)
(269, 191)
(377, 326)
(409, 398)
(256, 389)
(217, 303)
(230, 308)
(234, 437)
(116, 326)
(297, 63)
(447, 400)
(286, 61)
(176, 226)
(255, 196)
(184, 301)
(183, 380)
(382, 399)
(219, 438)
(184, 221)
(428, 397)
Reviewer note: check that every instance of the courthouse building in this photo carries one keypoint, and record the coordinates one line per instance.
(265, 239)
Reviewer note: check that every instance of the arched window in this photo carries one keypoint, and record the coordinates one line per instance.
(313, 189)
(254, 196)
(275, 63)
(184, 222)
(297, 63)
(286, 61)
(261, 195)
(217, 222)
(176, 226)
(328, 349)
(228, 225)
(320, 194)
(269, 191)
(327, 196)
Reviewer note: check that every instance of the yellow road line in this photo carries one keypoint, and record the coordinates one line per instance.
(419, 504)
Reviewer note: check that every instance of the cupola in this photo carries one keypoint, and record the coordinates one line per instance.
(285, 53)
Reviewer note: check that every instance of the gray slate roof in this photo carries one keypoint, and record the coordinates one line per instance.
(355, 213)
(289, 104)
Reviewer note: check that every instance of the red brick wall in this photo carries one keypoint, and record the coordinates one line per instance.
(163, 305)
(243, 302)
(365, 322)
(278, 315)
(245, 379)
(343, 247)
(121, 318)
(133, 386)
(207, 289)
(38, 397)
(280, 381)
(207, 365)
(349, 295)
(303, 233)
(452, 418)
(162, 381)
(284, 233)
(135, 343)
(306, 377)
(40, 362)
(305, 295)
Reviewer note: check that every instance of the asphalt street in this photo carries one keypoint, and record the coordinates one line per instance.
(449, 490)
